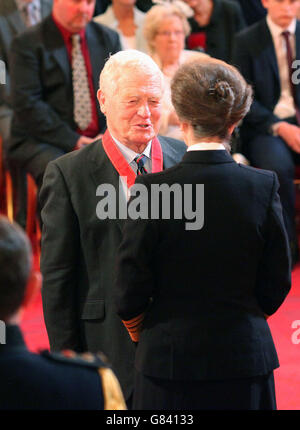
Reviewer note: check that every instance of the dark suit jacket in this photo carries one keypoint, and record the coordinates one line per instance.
(42, 93)
(44, 381)
(209, 288)
(255, 57)
(11, 24)
(253, 10)
(78, 257)
(226, 20)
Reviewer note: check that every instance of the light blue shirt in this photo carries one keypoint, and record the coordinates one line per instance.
(129, 156)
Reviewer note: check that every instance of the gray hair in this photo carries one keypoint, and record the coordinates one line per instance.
(155, 18)
(122, 61)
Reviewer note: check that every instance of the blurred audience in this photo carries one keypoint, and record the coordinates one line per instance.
(42, 381)
(125, 18)
(166, 28)
(270, 132)
(15, 17)
(54, 79)
(213, 27)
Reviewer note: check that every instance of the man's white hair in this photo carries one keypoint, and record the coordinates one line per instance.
(128, 61)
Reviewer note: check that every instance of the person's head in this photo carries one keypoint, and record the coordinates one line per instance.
(73, 15)
(165, 30)
(199, 5)
(130, 94)
(16, 274)
(210, 98)
(282, 12)
(124, 3)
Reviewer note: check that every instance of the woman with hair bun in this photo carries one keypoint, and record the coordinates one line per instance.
(195, 288)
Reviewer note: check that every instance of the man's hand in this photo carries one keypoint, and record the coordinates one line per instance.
(290, 134)
(84, 140)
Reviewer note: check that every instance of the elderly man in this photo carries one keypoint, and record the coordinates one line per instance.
(79, 242)
(54, 73)
(41, 381)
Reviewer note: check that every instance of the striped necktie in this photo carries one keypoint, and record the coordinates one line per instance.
(140, 161)
(81, 90)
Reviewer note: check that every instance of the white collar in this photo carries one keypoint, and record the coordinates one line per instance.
(277, 31)
(129, 154)
(204, 146)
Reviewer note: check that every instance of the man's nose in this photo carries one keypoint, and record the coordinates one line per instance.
(144, 110)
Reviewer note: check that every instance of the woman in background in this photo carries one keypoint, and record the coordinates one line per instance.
(165, 30)
(125, 18)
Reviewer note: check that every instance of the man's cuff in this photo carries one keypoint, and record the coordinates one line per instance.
(134, 326)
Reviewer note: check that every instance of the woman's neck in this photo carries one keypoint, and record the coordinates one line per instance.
(125, 17)
(123, 12)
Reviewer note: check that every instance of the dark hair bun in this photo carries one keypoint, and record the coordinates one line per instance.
(221, 91)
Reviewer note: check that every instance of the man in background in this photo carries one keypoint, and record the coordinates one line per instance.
(54, 79)
(270, 133)
(15, 17)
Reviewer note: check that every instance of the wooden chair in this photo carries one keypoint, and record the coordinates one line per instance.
(6, 188)
(32, 220)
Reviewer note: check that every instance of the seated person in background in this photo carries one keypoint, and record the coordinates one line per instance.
(54, 79)
(41, 381)
(165, 29)
(213, 27)
(125, 18)
(253, 10)
(15, 17)
(270, 133)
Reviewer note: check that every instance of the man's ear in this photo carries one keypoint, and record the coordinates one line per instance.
(101, 100)
(34, 285)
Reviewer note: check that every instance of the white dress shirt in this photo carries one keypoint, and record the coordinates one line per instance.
(285, 105)
(206, 146)
(129, 156)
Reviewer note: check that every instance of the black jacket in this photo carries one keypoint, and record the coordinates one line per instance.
(205, 292)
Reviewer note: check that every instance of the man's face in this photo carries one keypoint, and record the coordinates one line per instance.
(133, 111)
(282, 12)
(74, 15)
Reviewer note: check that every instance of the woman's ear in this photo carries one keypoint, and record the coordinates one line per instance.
(231, 128)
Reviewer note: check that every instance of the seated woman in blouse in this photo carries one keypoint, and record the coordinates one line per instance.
(165, 30)
(125, 18)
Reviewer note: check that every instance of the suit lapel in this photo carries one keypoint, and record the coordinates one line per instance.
(55, 45)
(15, 20)
(97, 61)
(268, 48)
(103, 172)
(298, 40)
(46, 7)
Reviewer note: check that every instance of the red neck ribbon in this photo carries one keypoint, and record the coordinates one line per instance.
(121, 165)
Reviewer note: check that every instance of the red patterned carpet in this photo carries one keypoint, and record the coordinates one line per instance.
(287, 377)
